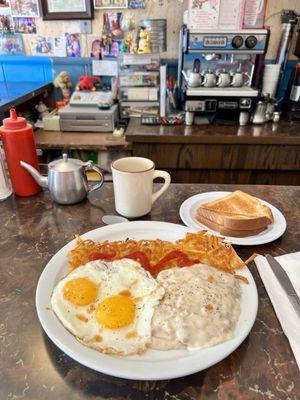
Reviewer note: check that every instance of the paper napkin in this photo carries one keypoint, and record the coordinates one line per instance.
(288, 318)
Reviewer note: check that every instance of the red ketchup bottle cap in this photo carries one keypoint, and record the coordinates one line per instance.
(14, 122)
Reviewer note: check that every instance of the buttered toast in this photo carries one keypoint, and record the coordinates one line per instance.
(236, 214)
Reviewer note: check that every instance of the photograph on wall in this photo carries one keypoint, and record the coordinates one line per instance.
(112, 50)
(112, 23)
(41, 45)
(136, 4)
(6, 21)
(94, 46)
(25, 8)
(25, 25)
(11, 44)
(66, 5)
(73, 45)
(4, 4)
(102, 4)
(59, 46)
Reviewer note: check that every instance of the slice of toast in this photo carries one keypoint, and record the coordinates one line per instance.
(226, 231)
(236, 211)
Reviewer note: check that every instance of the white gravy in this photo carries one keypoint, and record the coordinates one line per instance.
(200, 308)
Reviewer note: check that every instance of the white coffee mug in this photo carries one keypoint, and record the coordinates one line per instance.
(133, 185)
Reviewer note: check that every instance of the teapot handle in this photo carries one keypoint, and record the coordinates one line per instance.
(91, 167)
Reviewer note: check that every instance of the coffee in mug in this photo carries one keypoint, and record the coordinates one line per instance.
(133, 185)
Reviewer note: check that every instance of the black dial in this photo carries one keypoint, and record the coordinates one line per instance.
(237, 42)
(251, 42)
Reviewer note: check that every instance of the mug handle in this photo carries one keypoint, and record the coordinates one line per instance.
(91, 167)
(166, 176)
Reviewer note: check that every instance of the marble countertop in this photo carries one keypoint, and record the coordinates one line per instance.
(33, 368)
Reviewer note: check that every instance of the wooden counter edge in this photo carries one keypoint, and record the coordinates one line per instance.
(103, 141)
(217, 139)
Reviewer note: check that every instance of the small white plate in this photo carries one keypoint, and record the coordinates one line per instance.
(274, 231)
(153, 364)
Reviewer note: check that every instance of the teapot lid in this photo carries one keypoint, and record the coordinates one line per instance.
(65, 164)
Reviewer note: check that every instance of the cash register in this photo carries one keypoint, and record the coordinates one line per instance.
(86, 112)
(90, 111)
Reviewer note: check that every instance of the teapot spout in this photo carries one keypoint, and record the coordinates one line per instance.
(41, 180)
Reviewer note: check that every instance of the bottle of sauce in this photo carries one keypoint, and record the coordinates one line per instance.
(18, 144)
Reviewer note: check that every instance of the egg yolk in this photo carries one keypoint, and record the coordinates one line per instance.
(80, 291)
(115, 312)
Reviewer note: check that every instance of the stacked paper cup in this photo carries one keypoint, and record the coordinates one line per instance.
(271, 78)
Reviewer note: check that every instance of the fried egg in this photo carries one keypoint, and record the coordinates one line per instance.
(108, 306)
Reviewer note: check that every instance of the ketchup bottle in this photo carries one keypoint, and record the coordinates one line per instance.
(18, 144)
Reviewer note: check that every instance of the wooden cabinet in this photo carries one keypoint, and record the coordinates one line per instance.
(219, 154)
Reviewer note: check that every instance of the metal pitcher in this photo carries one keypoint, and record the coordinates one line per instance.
(66, 181)
(210, 79)
(224, 79)
(193, 77)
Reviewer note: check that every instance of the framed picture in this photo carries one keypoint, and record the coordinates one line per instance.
(11, 44)
(136, 4)
(67, 9)
(41, 45)
(4, 4)
(73, 47)
(25, 25)
(106, 4)
(6, 21)
(25, 8)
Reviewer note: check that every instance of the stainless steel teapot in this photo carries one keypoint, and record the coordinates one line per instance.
(66, 181)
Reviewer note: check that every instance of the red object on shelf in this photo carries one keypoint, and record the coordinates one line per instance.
(18, 144)
(87, 82)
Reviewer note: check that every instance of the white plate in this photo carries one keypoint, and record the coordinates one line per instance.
(154, 364)
(274, 231)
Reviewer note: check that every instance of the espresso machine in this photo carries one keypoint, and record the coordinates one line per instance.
(219, 73)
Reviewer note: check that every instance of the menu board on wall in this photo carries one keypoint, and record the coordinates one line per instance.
(203, 14)
(254, 14)
(215, 14)
(231, 14)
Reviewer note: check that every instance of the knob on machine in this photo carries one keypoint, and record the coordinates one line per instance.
(237, 42)
(251, 42)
